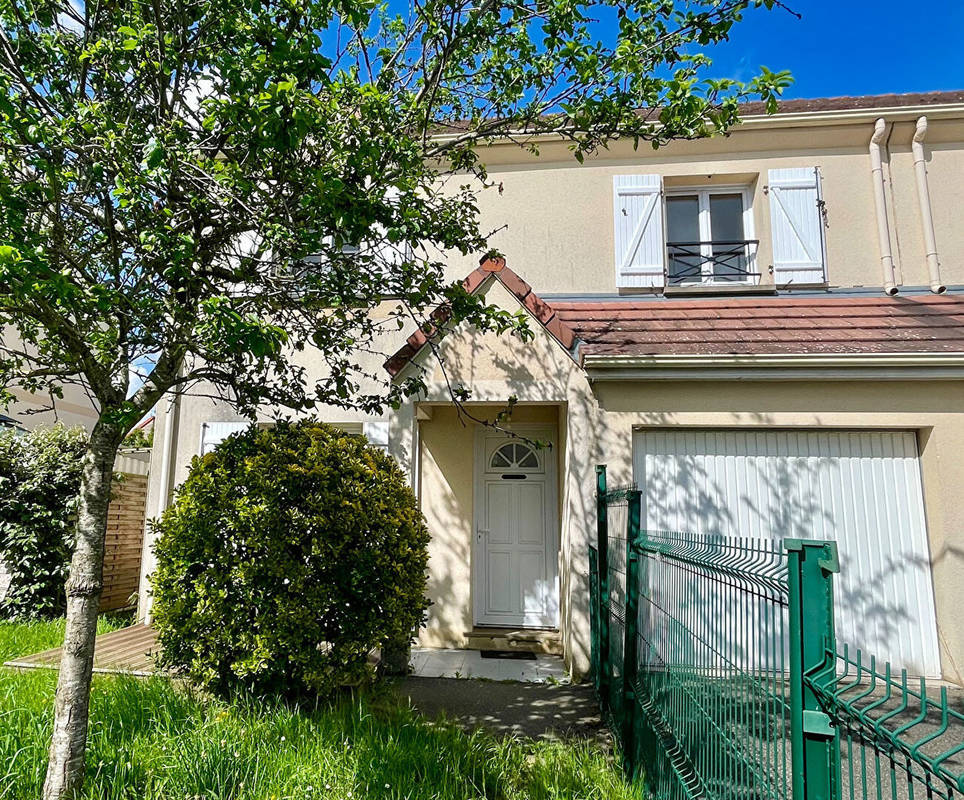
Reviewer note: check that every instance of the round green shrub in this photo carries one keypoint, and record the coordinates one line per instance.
(287, 556)
(39, 483)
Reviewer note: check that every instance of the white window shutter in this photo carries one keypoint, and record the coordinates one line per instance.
(640, 243)
(796, 226)
(213, 433)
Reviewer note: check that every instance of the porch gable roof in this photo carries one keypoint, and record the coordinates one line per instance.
(490, 268)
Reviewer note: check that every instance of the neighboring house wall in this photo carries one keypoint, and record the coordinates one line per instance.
(33, 411)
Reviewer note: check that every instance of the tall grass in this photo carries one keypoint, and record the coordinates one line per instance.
(152, 739)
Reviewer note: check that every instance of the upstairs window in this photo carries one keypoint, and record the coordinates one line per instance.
(686, 236)
(709, 236)
(383, 255)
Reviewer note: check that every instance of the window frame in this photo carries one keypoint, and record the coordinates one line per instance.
(516, 463)
(703, 193)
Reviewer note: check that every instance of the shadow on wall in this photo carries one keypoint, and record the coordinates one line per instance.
(733, 484)
(448, 511)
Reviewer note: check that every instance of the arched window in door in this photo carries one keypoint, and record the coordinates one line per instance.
(514, 455)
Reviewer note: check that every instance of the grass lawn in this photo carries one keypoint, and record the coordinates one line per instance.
(151, 739)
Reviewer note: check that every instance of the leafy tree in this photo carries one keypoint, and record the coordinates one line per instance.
(167, 167)
(39, 480)
(137, 438)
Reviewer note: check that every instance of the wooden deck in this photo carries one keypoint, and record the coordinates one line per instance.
(128, 651)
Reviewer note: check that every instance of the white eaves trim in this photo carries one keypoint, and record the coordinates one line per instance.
(777, 367)
(848, 116)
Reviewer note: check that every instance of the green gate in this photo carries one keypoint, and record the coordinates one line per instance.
(717, 667)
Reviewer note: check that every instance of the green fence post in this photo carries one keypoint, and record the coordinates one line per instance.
(630, 650)
(594, 616)
(602, 553)
(814, 741)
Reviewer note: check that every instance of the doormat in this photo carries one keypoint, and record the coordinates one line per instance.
(515, 655)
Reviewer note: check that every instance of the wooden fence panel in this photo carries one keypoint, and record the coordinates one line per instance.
(125, 534)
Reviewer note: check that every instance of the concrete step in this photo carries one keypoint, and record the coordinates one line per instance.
(531, 641)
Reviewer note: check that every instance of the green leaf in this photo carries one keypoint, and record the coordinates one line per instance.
(155, 157)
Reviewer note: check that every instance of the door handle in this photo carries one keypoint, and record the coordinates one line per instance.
(480, 532)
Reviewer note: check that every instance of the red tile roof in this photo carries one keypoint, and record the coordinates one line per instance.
(731, 326)
(749, 326)
(857, 103)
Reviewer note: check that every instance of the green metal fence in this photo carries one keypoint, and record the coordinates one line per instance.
(717, 668)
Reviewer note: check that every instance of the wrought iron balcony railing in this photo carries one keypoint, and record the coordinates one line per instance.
(712, 262)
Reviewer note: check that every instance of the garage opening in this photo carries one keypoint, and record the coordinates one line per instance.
(861, 489)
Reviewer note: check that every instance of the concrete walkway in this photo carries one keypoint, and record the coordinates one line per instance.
(534, 710)
(434, 663)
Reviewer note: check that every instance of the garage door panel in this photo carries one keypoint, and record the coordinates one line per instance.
(859, 488)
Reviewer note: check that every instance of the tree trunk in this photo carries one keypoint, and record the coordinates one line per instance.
(65, 766)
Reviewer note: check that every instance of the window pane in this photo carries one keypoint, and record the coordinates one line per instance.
(682, 231)
(726, 224)
(726, 217)
(529, 460)
(683, 218)
(502, 456)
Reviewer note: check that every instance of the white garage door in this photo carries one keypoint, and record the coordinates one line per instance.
(859, 488)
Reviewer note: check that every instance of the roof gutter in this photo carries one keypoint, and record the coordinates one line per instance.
(778, 120)
(853, 116)
(777, 366)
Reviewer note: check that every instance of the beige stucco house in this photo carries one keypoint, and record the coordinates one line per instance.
(764, 331)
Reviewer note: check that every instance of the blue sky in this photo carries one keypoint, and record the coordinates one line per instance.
(841, 47)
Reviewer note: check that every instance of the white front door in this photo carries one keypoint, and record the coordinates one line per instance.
(515, 542)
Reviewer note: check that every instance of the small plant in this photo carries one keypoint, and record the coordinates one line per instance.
(139, 439)
(39, 482)
(288, 555)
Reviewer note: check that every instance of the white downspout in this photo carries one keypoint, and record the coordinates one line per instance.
(883, 228)
(167, 445)
(164, 484)
(927, 219)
